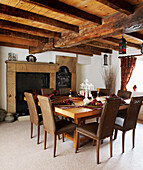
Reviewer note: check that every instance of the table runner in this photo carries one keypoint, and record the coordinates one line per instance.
(87, 107)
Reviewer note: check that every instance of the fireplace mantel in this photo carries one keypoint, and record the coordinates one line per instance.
(36, 67)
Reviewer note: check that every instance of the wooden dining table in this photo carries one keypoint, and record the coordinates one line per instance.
(81, 113)
(78, 112)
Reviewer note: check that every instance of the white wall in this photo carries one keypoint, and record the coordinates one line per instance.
(92, 72)
(87, 67)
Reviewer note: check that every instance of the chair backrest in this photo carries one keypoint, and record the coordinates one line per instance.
(104, 92)
(64, 91)
(34, 118)
(124, 94)
(45, 91)
(47, 113)
(132, 113)
(94, 93)
(108, 117)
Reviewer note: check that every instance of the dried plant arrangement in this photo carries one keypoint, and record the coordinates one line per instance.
(109, 77)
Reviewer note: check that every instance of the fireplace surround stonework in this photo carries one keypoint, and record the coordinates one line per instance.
(36, 67)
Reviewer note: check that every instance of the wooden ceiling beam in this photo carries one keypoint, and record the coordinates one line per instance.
(102, 45)
(83, 49)
(119, 5)
(19, 13)
(96, 48)
(23, 35)
(135, 36)
(27, 29)
(116, 41)
(61, 7)
(20, 41)
(76, 50)
(124, 24)
(14, 45)
(80, 49)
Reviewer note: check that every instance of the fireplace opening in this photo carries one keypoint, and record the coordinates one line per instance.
(29, 82)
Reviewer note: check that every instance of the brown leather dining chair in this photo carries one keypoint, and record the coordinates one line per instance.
(124, 94)
(99, 131)
(49, 123)
(64, 91)
(104, 92)
(34, 117)
(45, 91)
(129, 121)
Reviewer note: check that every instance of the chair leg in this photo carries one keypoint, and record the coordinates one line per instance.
(38, 135)
(31, 130)
(55, 140)
(78, 140)
(63, 137)
(110, 146)
(101, 141)
(93, 142)
(133, 138)
(97, 150)
(123, 139)
(77, 137)
(97, 119)
(115, 134)
(59, 137)
(45, 139)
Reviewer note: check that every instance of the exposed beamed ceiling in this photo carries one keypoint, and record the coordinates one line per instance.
(83, 27)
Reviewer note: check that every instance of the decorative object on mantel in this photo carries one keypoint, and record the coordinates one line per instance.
(2, 115)
(31, 58)
(134, 87)
(87, 87)
(122, 46)
(12, 57)
(9, 118)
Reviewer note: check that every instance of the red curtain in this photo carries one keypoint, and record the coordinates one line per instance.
(127, 67)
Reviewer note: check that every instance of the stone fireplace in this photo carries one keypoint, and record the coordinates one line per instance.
(45, 73)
